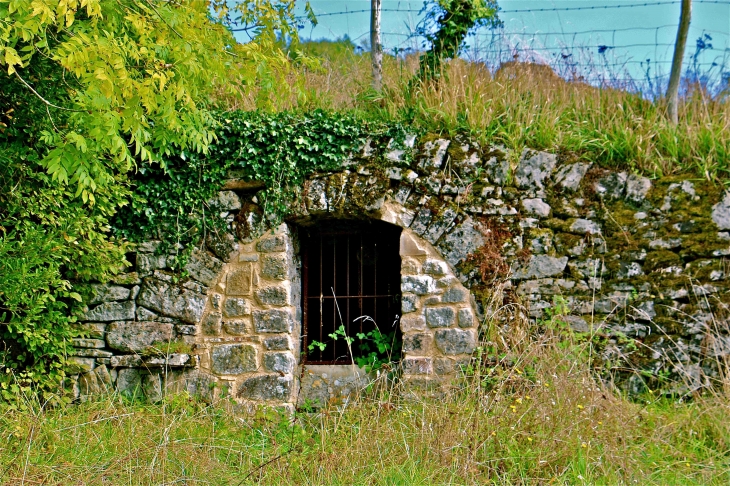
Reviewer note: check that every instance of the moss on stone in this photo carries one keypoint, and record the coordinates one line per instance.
(657, 260)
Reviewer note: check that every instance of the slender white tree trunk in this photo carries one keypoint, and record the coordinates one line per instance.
(376, 49)
(676, 73)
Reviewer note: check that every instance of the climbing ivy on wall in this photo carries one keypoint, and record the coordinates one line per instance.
(280, 150)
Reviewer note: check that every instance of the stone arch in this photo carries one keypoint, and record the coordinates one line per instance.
(250, 327)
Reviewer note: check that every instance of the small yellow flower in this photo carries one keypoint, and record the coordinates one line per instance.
(529, 439)
(518, 401)
(527, 397)
(493, 433)
(583, 445)
(580, 407)
(600, 423)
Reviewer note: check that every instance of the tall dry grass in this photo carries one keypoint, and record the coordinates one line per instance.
(522, 105)
(529, 411)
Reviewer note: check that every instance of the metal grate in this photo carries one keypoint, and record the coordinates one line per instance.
(349, 269)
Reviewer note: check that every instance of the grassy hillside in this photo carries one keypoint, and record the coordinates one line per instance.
(520, 106)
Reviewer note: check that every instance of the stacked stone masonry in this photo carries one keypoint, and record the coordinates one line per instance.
(639, 262)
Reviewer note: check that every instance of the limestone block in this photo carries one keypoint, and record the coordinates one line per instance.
(240, 280)
(585, 227)
(412, 323)
(129, 382)
(83, 364)
(279, 362)
(102, 374)
(172, 360)
(271, 244)
(277, 296)
(126, 361)
(417, 366)
(421, 221)
(408, 303)
(454, 295)
(316, 196)
(418, 284)
(203, 267)
(410, 266)
(274, 320)
(211, 325)
(536, 207)
(460, 242)
(440, 316)
(171, 300)
(112, 311)
(278, 343)
(409, 247)
(434, 152)
(637, 187)
(418, 344)
(570, 176)
(226, 201)
(94, 330)
(497, 169)
(541, 266)
(137, 336)
(455, 341)
(152, 387)
(222, 244)
(435, 267)
(266, 387)
(611, 186)
(234, 359)
(237, 327)
(274, 267)
(534, 169)
(88, 343)
(236, 307)
(92, 353)
(108, 293)
(148, 263)
(439, 226)
(721, 212)
(89, 384)
(466, 318)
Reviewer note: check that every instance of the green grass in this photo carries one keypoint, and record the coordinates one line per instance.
(542, 419)
(521, 106)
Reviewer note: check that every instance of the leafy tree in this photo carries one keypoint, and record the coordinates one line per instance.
(446, 25)
(89, 91)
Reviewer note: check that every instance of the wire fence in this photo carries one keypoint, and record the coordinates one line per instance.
(601, 57)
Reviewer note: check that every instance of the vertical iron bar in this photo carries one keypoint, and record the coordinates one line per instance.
(321, 300)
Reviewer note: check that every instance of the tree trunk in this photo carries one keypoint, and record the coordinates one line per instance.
(676, 73)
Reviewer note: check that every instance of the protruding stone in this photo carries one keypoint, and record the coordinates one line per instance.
(461, 242)
(88, 343)
(534, 169)
(112, 311)
(418, 284)
(279, 362)
(455, 341)
(236, 307)
(570, 176)
(434, 154)
(233, 359)
(266, 387)
(137, 336)
(440, 316)
(129, 382)
(273, 296)
(274, 320)
(435, 267)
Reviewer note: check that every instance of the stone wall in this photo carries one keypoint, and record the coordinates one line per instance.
(638, 263)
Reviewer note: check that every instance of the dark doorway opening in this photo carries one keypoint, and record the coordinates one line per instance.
(350, 289)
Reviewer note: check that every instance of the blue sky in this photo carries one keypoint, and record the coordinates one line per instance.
(631, 34)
